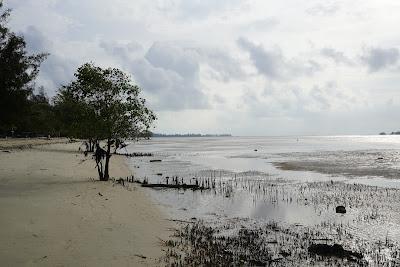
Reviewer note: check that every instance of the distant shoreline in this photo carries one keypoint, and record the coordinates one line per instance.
(191, 135)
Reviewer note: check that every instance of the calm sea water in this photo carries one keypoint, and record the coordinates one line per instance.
(253, 163)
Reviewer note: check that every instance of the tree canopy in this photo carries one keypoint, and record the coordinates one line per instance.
(18, 69)
(104, 104)
(99, 105)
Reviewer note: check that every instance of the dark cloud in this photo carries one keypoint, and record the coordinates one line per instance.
(36, 42)
(225, 68)
(269, 63)
(274, 65)
(182, 61)
(337, 56)
(380, 58)
(169, 73)
(55, 70)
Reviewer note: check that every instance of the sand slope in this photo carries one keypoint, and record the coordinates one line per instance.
(51, 214)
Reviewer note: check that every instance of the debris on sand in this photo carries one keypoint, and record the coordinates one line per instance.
(236, 243)
(140, 256)
(175, 186)
(334, 250)
(136, 154)
(340, 209)
(155, 160)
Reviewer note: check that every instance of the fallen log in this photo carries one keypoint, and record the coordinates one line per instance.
(175, 186)
(334, 250)
(135, 154)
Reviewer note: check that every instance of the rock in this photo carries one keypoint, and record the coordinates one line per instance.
(340, 209)
(327, 250)
(334, 250)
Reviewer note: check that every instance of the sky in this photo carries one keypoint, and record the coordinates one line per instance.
(244, 67)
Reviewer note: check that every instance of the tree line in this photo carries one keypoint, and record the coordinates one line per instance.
(100, 105)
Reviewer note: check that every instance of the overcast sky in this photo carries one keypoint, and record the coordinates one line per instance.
(287, 67)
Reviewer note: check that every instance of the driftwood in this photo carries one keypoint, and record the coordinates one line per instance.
(135, 154)
(334, 250)
(173, 186)
(177, 183)
(176, 186)
(340, 209)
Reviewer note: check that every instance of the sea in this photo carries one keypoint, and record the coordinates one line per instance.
(291, 180)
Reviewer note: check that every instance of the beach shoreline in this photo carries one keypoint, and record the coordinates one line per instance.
(54, 212)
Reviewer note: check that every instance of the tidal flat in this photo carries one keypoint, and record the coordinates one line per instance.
(254, 212)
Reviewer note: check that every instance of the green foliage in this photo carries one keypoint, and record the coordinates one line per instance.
(17, 72)
(41, 116)
(108, 103)
(103, 104)
(75, 118)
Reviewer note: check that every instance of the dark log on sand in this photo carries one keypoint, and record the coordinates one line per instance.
(334, 250)
(175, 186)
(340, 209)
(136, 154)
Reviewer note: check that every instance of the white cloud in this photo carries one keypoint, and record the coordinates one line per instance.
(246, 67)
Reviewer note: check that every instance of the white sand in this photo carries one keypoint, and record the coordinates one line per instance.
(51, 214)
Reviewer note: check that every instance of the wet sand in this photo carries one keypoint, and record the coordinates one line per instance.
(353, 164)
(54, 214)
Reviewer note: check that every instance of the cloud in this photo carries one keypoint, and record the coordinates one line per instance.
(224, 67)
(324, 9)
(188, 57)
(174, 58)
(274, 65)
(296, 102)
(261, 24)
(35, 40)
(55, 70)
(121, 49)
(170, 72)
(380, 58)
(337, 56)
(167, 72)
(201, 9)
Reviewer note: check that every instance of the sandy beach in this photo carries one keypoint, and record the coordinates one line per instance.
(54, 214)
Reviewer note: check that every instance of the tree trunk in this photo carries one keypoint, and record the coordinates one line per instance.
(108, 156)
(99, 155)
(100, 171)
(92, 144)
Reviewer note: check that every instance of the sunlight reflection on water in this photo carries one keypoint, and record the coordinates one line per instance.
(229, 156)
